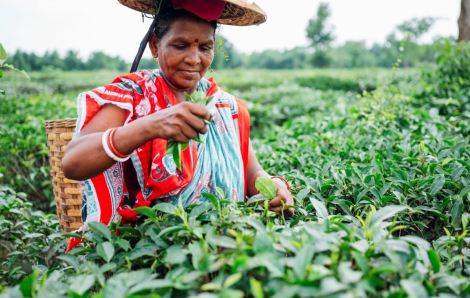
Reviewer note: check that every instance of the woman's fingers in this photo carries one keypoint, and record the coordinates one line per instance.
(284, 197)
(198, 110)
(287, 212)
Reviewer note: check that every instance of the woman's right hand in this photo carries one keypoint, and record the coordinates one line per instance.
(179, 123)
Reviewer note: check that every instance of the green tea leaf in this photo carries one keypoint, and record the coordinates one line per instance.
(72, 261)
(100, 229)
(165, 208)
(105, 250)
(437, 184)
(141, 251)
(384, 213)
(266, 186)
(28, 285)
(456, 213)
(211, 198)
(147, 211)
(256, 288)
(262, 243)
(413, 288)
(257, 198)
(301, 261)
(72, 235)
(319, 208)
(148, 285)
(435, 260)
(232, 279)
(81, 283)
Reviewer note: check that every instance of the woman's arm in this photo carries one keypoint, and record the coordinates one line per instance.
(254, 170)
(85, 157)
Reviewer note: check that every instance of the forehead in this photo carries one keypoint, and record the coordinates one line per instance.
(188, 26)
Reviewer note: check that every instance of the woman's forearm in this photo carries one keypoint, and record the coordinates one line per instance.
(85, 157)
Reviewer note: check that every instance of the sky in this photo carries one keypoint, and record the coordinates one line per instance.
(105, 25)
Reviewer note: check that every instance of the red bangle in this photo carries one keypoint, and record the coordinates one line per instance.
(285, 181)
(111, 144)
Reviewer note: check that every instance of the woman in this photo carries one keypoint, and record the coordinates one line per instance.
(123, 129)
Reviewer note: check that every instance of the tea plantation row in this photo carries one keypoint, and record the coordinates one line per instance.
(381, 182)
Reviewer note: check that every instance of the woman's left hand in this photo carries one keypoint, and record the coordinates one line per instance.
(283, 194)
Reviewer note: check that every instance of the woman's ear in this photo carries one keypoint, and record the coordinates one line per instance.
(153, 45)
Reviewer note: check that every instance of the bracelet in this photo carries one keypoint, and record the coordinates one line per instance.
(285, 181)
(107, 143)
(111, 144)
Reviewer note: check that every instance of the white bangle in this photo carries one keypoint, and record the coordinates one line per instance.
(108, 151)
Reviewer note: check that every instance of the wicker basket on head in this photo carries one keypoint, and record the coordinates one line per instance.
(67, 193)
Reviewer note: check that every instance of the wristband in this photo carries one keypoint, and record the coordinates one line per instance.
(107, 143)
(285, 181)
(112, 147)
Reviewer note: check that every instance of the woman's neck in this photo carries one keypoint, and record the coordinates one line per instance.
(178, 92)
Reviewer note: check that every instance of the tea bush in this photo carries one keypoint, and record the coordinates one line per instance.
(51, 95)
(381, 182)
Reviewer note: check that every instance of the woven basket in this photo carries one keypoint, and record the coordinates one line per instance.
(67, 193)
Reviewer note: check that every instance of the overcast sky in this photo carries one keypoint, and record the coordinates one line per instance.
(106, 25)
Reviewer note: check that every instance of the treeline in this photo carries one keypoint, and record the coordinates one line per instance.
(71, 61)
(320, 53)
(353, 54)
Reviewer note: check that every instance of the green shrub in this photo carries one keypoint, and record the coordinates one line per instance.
(29, 240)
(447, 85)
(381, 182)
(24, 163)
(333, 83)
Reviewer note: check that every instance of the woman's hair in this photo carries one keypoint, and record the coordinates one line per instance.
(166, 19)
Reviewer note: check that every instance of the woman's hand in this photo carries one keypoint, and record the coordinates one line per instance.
(179, 123)
(283, 194)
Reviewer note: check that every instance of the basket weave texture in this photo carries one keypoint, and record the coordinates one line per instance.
(67, 193)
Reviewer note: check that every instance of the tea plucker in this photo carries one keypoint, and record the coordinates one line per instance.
(119, 151)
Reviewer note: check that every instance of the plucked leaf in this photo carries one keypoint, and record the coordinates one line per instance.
(266, 186)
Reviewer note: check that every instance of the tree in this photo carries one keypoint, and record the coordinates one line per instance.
(321, 36)
(464, 21)
(417, 27)
(72, 62)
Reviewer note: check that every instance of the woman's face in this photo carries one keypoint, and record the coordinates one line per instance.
(185, 52)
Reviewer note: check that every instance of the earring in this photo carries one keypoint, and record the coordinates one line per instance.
(155, 61)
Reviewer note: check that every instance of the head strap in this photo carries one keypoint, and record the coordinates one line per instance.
(143, 45)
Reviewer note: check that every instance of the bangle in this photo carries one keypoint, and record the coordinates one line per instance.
(108, 144)
(111, 145)
(285, 181)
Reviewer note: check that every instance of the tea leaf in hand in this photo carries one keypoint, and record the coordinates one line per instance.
(266, 186)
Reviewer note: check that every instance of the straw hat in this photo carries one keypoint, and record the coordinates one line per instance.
(236, 12)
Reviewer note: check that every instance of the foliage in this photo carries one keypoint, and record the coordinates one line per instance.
(71, 61)
(318, 30)
(24, 162)
(417, 27)
(321, 36)
(3, 58)
(351, 54)
(29, 240)
(381, 183)
(448, 85)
